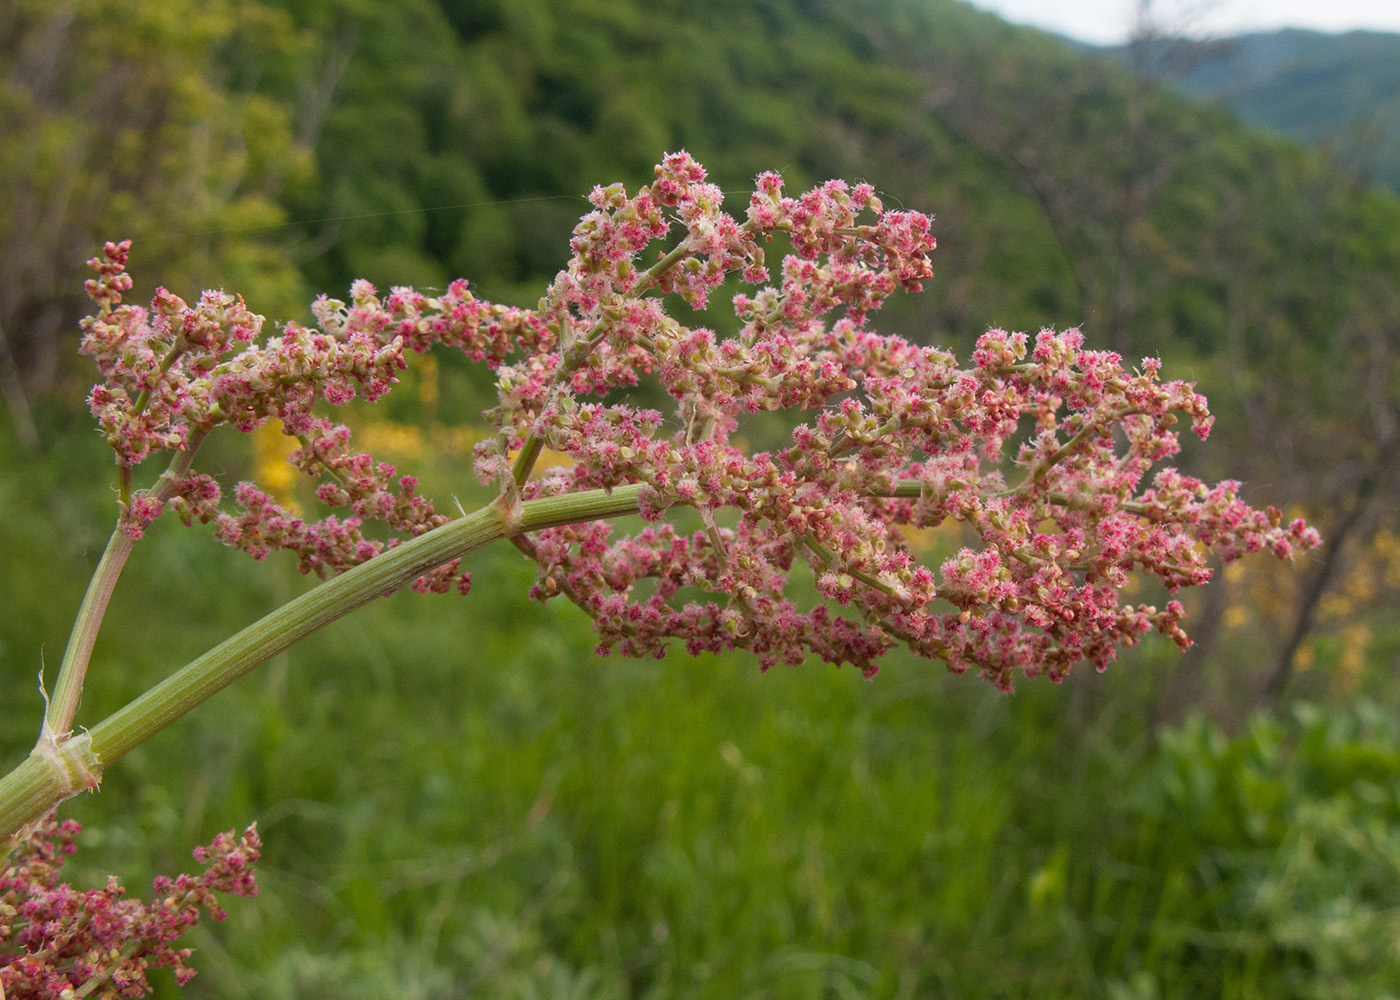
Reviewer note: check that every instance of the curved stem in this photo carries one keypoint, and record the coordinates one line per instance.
(47, 778)
(206, 676)
(657, 271)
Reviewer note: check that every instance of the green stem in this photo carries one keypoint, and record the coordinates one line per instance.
(657, 271)
(54, 772)
(335, 474)
(68, 688)
(171, 356)
(525, 461)
(829, 559)
(58, 769)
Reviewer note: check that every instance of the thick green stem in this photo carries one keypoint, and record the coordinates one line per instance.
(59, 769)
(51, 773)
(47, 776)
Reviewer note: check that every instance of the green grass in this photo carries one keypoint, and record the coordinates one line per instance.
(459, 798)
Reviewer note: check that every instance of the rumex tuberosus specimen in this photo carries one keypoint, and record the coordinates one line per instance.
(1047, 452)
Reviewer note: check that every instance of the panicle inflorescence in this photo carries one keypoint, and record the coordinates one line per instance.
(1043, 450)
(57, 941)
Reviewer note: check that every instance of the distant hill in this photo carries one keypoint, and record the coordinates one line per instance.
(1338, 92)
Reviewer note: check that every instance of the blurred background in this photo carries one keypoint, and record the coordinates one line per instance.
(458, 798)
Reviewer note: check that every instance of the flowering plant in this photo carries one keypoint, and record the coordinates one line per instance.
(1041, 449)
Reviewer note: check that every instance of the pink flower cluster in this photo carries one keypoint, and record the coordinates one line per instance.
(1042, 450)
(173, 373)
(56, 941)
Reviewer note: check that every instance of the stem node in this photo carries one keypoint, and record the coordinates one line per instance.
(71, 759)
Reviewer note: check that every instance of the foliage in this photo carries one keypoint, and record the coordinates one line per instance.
(685, 828)
(1278, 852)
(459, 138)
(1338, 91)
(695, 829)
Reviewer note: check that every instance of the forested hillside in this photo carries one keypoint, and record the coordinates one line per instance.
(283, 148)
(1337, 92)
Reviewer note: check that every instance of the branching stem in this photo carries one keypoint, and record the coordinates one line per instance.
(50, 773)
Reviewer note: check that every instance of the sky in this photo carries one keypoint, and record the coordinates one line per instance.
(1108, 21)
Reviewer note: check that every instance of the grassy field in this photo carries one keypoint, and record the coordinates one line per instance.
(459, 798)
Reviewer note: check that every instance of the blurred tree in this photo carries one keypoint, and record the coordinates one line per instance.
(135, 118)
